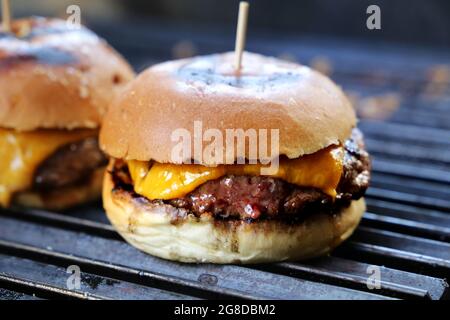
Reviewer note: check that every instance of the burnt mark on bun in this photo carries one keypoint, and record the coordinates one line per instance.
(30, 38)
(34, 27)
(259, 82)
(41, 55)
(46, 30)
(201, 73)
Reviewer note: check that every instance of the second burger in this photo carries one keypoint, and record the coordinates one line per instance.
(56, 83)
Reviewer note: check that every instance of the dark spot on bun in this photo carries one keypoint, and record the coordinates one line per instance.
(84, 68)
(117, 78)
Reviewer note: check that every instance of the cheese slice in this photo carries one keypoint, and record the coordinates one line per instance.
(22, 152)
(321, 170)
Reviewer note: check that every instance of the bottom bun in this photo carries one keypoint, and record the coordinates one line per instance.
(63, 198)
(171, 233)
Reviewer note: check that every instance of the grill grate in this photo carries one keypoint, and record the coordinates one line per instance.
(406, 230)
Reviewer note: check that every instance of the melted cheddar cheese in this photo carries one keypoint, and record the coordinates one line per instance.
(321, 170)
(22, 152)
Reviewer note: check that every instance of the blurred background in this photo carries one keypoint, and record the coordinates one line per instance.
(407, 61)
(404, 21)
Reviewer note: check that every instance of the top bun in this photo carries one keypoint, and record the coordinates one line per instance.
(309, 110)
(53, 75)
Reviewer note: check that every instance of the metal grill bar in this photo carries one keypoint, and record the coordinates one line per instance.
(45, 290)
(401, 279)
(406, 226)
(393, 258)
(403, 132)
(436, 218)
(409, 185)
(399, 150)
(348, 280)
(406, 198)
(6, 294)
(119, 272)
(229, 280)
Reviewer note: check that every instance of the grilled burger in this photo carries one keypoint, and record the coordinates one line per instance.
(56, 83)
(208, 209)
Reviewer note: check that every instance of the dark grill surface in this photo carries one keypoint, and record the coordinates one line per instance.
(406, 230)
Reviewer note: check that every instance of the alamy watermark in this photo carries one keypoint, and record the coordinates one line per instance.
(374, 279)
(373, 21)
(74, 280)
(229, 146)
(73, 20)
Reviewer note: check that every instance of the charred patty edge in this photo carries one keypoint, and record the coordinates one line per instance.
(122, 192)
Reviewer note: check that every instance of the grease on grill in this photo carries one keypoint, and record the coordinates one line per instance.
(208, 279)
(94, 281)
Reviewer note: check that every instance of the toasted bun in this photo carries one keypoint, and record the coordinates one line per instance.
(64, 198)
(153, 229)
(55, 76)
(309, 110)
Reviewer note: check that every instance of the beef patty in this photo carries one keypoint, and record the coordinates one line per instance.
(69, 165)
(255, 197)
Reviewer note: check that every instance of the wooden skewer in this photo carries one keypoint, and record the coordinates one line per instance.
(240, 34)
(6, 16)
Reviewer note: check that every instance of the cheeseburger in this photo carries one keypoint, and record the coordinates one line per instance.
(228, 204)
(56, 82)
